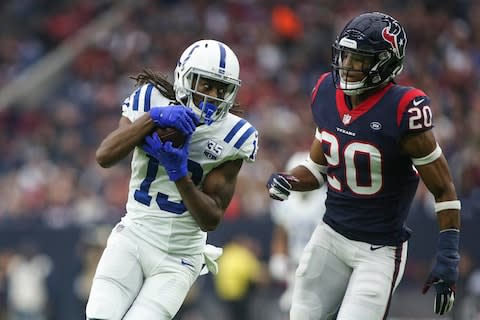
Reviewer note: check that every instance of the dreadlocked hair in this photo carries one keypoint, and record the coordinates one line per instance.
(237, 110)
(160, 82)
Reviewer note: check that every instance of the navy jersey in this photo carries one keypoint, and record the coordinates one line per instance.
(371, 181)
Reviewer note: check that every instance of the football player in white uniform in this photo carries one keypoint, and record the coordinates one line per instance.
(176, 194)
(295, 220)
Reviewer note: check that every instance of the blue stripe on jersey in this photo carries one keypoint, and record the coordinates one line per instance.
(148, 96)
(135, 99)
(234, 130)
(223, 54)
(244, 137)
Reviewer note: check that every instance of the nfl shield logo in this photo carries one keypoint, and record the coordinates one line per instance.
(346, 119)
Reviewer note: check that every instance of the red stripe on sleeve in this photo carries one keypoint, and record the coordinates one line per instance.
(405, 101)
(320, 80)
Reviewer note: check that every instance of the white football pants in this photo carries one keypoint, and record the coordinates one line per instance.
(335, 272)
(135, 280)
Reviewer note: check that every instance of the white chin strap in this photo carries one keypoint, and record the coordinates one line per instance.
(352, 88)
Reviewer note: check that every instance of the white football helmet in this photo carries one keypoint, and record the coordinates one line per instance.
(207, 59)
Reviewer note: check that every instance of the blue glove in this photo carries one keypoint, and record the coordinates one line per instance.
(179, 117)
(445, 271)
(174, 160)
(279, 186)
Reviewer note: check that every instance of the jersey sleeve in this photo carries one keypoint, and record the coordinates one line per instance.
(142, 100)
(247, 150)
(313, 95)
(414, 114)
(242, 137)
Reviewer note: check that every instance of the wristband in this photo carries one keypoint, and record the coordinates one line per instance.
(448, 205)
(447, 255)
(434, 155)
(316, 169)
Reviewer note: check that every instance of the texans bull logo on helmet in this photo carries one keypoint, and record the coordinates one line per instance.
(394, 34)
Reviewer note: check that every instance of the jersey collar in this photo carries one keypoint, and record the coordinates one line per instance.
(348, 116)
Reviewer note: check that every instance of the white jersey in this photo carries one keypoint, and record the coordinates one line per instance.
(300, 213)
(155, 211)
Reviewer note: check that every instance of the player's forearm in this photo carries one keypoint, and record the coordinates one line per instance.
(306, 180)
(447, 216)
(448, 219)
(118, 144)
(436, 176)
(202, 207)
(279, 241)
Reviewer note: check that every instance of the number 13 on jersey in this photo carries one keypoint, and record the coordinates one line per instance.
(142, 196)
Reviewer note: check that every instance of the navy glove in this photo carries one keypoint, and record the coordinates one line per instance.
(279, 186)
(174, 160)
(179, 117)
(445, 271)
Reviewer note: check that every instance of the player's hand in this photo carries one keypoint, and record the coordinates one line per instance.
(179, 117)
(174, 160)
(445, 271)
(279, 186)
(445, 294)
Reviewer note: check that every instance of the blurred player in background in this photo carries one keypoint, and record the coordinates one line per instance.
(373, 142)
(177, 194)
(295, 220)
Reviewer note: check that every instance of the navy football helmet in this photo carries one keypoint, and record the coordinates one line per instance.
(378, 42)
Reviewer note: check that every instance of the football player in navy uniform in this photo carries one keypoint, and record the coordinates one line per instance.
(372, 144)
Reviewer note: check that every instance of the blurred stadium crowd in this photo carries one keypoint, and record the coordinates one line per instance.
(55, 199)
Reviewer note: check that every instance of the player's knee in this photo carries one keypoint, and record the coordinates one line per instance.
(300, 314)
(103, 316)
(107, 300)
(99, 309)
(301, 310)
(141, 309)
